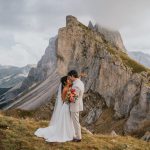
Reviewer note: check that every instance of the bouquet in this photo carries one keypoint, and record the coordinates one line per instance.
(71, 96)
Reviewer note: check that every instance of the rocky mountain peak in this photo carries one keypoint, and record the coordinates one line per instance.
(114, 37)
(91, 26)
(71, 20)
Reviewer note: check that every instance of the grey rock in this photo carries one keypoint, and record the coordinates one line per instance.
(146, 136)
(139, 119)
(110, 35)
(90, 25)
(93, 115)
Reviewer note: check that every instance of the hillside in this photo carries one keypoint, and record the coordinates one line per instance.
(141, 57)
(16, 132)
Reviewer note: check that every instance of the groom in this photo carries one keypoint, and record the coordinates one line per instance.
(76, 107)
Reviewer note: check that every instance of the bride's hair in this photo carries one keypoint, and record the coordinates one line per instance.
(63, 81)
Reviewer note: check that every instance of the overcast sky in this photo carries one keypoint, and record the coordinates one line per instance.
(27, 25)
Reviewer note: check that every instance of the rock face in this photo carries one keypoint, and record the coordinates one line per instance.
(45, 66)
(112, 36)
(113, 79)
(116, 82)
(140, 114)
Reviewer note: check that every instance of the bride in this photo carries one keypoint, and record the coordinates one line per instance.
(60, 128)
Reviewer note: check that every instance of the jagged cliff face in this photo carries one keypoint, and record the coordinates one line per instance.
(112, 36)
(113, 79)
(45, 66)
(139, 117)
(84, 50)
(118, 84)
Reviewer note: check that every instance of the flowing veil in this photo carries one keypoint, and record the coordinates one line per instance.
(57, 107)
(60, 128)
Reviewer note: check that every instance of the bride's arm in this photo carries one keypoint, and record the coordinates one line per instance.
(63, 95)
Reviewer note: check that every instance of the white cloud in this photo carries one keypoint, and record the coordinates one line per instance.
(33, 43)
(27, 49)
(26, 26)
(14, 57)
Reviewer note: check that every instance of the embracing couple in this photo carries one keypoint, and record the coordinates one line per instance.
(64, 124)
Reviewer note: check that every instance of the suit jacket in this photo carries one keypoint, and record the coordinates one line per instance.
(78, 105)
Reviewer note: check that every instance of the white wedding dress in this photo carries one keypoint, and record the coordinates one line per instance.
(60, 128)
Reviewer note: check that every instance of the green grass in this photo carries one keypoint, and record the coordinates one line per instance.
(84, 27)
(18, 134)
(127, 61)
(136, 67)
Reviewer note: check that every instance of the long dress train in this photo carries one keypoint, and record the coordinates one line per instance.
(60, 128)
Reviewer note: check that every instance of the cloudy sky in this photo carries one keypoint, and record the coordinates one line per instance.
(27, 25)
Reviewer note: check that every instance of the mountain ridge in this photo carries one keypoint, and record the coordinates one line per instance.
(7, 72)
(141, 57)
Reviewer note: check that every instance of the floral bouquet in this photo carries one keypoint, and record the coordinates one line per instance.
(71, 96)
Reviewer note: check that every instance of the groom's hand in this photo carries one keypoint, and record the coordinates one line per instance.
(77, 90)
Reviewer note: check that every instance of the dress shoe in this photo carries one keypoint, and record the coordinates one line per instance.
(76, 140)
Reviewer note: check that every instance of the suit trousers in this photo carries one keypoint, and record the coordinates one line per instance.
(76, 124)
